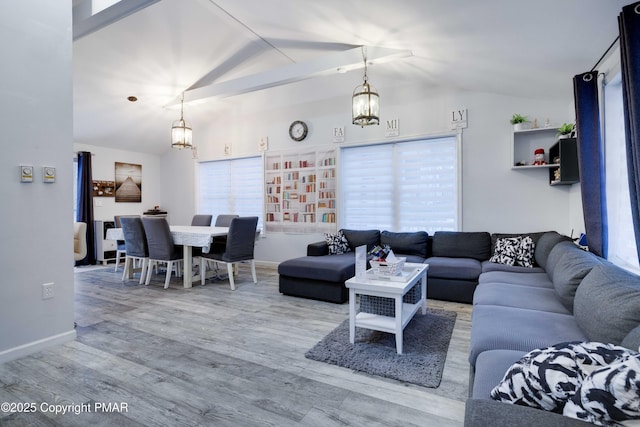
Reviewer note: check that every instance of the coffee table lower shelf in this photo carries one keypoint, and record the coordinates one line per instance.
(386, 323)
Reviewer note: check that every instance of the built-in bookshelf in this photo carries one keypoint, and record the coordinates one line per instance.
(300, 191)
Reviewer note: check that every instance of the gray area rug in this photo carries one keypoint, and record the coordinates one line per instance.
(426, 341)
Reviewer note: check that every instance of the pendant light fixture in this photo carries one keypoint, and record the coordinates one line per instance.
(365, 101)
(181, 133)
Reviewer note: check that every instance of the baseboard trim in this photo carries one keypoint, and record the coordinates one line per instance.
(32, 347)
(271, 264)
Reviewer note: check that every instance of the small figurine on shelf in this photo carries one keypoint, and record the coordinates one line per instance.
(538, 157)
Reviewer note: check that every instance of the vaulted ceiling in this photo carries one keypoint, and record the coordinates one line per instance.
(215, 49)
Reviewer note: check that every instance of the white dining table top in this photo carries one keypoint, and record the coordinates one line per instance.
(188, 235)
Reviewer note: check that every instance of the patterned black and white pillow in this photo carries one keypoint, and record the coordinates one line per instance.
(609, 396)
(517, 250)
(506, 250)
(547, 378)
(525, 252)
(337, 243)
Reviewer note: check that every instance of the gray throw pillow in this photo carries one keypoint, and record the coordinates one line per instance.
(569, 271)
(607, 303)
(545, 243)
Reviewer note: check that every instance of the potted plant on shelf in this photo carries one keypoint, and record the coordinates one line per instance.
(566, 130)
(519, 122)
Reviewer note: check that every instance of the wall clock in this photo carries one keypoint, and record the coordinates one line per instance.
(298, 130)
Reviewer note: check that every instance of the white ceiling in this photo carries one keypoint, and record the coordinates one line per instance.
(513, 47)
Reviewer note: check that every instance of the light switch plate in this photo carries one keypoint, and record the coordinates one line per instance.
(48, 174)
(26, 173)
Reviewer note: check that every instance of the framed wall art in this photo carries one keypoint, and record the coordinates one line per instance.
(104, 188)
(128, 183)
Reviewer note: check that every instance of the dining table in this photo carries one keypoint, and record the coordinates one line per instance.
(188, 236)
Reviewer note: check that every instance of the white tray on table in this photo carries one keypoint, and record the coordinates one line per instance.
(405, 275)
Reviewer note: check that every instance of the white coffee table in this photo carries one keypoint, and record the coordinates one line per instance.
(395, 288)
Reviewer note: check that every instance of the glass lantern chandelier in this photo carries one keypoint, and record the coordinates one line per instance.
(181, 135)
(365, 101)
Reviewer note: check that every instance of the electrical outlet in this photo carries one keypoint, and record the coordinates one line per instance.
(47, 290)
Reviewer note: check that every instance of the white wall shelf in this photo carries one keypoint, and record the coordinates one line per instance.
(525, 142)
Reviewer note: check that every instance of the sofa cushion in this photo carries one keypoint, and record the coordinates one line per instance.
(632, 340)
(488, 266)
(459, 244)
(538, 280)
(507, 295)
(606, 303)
(569, 271)
(545, 244)
(357, 238)
(406, 243)
(454, 268)
(556, 254)
(337, 243)
(331, 268)
(490, 368)
(494, 327)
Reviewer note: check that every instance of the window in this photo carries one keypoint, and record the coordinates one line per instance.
(231, 187)
(622, 244)
(403, 186)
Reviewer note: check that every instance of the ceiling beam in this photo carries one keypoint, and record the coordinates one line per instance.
(84, 23)
(338, 62)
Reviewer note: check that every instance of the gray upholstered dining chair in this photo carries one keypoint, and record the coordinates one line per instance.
(120, 246)
(137, 250)
(201, 220)
(161, 248)
(223, 220)
(238, 248)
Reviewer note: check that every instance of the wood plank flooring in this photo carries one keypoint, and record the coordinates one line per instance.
(209, 356)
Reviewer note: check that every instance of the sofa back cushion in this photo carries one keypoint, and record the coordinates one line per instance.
(461, 244)
(357, 238)
(406, 243)
(606, 303)
(545, 244)
(569, 270)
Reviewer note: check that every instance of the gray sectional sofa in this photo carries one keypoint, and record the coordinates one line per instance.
(568, 295)
(572, 295)
(455, 262)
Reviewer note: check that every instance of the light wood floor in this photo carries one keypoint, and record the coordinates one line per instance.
(215, 357)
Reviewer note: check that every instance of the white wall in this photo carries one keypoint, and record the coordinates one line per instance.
(103, 168)
(495, 198)
(37, 233)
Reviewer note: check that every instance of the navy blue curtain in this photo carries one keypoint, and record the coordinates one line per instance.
(591, 161)
(629, 24)
(84, 209)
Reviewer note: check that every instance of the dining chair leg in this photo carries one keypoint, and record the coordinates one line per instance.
(118, 261)
(253, 271)
(127, 260)
(230, 272)
(150, 265)
(170, 267)
(143, 270)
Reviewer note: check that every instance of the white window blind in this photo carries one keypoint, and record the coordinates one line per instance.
(402, 186)
(231, 186)
(622, 244)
